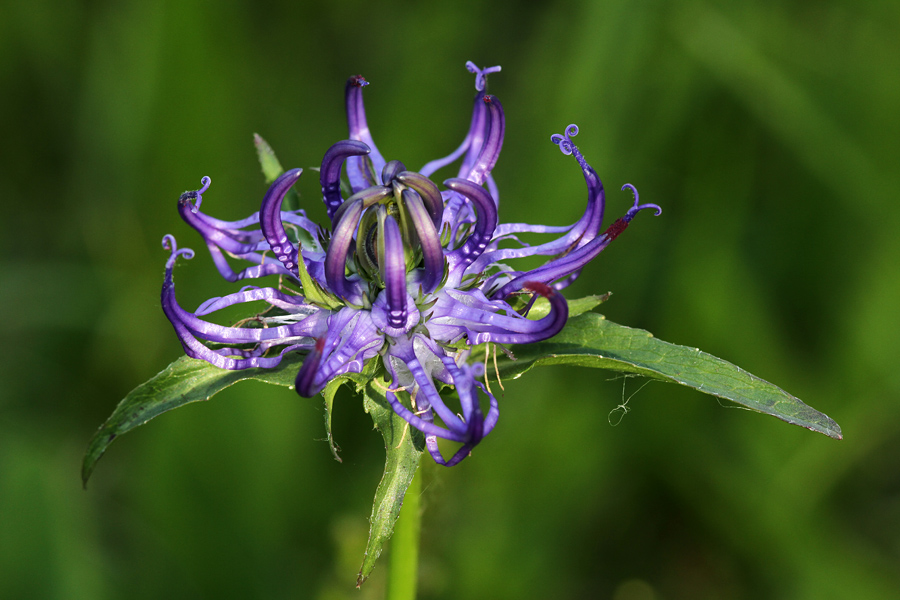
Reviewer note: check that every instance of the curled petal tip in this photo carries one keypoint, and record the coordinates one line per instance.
(195, 195)
(566, 146)
(169, 243)
(637, 206)
(481, 74)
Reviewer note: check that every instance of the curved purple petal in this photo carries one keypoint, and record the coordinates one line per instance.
(392, 264)
(357, 170)
(330, 173)
(477, 424)
(347, 219)
(485, 223)
(391, 170)
(429, 242)
(270, 220)
(223, 238)
(431, 195)
(425, 394)
(490, 151)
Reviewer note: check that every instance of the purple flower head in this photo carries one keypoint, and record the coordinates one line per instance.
(411, 276)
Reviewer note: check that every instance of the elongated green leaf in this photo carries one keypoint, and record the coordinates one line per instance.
(589, 340)
(184, 381)
(404, 446)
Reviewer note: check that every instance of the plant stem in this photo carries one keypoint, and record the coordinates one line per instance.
(403, 569)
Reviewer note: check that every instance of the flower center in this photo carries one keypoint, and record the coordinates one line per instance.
(412, 204)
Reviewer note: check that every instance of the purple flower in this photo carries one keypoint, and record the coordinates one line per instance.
(410, 276)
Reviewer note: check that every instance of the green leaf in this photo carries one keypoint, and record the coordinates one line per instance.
(184, 381)
(578, 306)
(190, 380)
(403, 446)
(589, 340)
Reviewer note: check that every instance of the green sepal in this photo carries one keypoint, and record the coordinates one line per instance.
(312, 291)
(590, 340)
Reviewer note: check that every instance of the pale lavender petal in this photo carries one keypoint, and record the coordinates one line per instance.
(567, 265)
(272, 267)
(187, 327)
(351, 340)
(481, 320)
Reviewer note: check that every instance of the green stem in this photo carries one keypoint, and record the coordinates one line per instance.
(404, 565)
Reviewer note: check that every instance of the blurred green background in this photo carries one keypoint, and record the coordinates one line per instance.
(769, 132)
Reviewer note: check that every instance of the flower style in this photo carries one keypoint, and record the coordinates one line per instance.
(410, 277)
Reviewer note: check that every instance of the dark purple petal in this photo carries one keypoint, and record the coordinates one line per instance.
(392, 264)
(304, 383)
(429, 192)
(485, 223)
(357, 170)
(339, 247)
(429, 241)
(330, 173)
(371, 196)
(270, 220)
(490, 151)
(391, 170)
